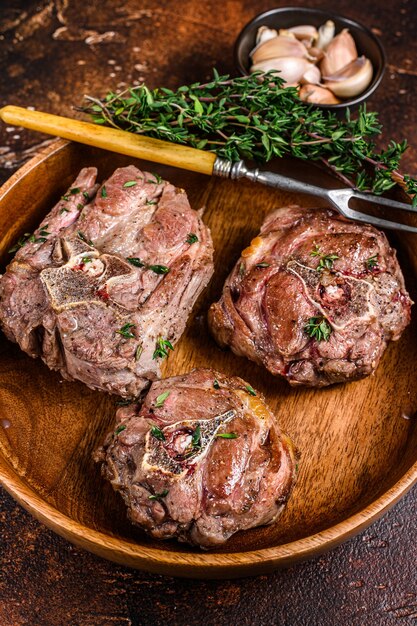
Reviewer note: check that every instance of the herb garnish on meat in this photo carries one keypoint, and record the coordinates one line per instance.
(196, 438)
(318, 328)
(192, 238)
(372, 262)
(135, 261)
(325, 261)
(156, 496)
(157, 433)
(250, 390)
(159, 269)
(161, 399)
(125, 330)
(162, 347)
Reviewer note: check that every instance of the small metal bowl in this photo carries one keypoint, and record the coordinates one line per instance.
(366, 42)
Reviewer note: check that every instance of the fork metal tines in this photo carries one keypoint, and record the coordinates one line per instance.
(339, 198)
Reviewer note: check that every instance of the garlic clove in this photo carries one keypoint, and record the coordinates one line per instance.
(304, 33)
(352, 79)
(311, 75)
(340, 51)
(264, 33)
(326, 34)
(283, 32)
(315, 94)
(291, 69)
(278, 47)
(315, 54)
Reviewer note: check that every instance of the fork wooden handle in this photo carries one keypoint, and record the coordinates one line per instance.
(111, 139)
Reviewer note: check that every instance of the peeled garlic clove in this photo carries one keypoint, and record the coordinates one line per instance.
(291, 69)
(326, 34)
(304, 31)
(352, 79)
(340, 51)
(264, 33)
(311, 75)
(278, 47)
(315, 94)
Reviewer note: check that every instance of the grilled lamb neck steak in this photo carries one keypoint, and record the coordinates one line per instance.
(102, 290)
(201, 459)
(314, 298)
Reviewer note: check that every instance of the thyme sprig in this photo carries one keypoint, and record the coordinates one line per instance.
(318, 328)
(245, 117)
(325, 260)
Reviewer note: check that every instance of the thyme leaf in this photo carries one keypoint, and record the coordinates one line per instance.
(119, 429)
(191, 238)
(162, 347)
(318, 328)
(244, 117)
(250, 390)
(161, 399)
(135, 261)
(157, 433)
(227, 435)
(125, 330)
(196, 438)
(372, 262)
(325, 261)
(159, 269)
(156, 496)
(84, 238)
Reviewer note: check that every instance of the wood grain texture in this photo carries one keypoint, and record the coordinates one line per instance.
(358, 441)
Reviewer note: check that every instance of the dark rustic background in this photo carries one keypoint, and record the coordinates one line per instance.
(51, 53)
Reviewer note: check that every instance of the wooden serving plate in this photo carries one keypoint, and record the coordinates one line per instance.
(358, 441)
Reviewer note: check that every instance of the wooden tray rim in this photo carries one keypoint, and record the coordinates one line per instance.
(170, 562)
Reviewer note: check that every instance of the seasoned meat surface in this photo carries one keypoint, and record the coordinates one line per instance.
(103, 289)
(201, 459)
(314, 298)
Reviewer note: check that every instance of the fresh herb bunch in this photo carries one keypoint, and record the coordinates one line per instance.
(245, 117)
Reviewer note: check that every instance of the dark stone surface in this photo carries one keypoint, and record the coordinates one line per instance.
(51, 53)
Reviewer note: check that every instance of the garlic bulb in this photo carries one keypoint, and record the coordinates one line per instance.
(317, 95)
(352, 79)
(326, 34)
(340, 51)
(278, 47)
(291, 69)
